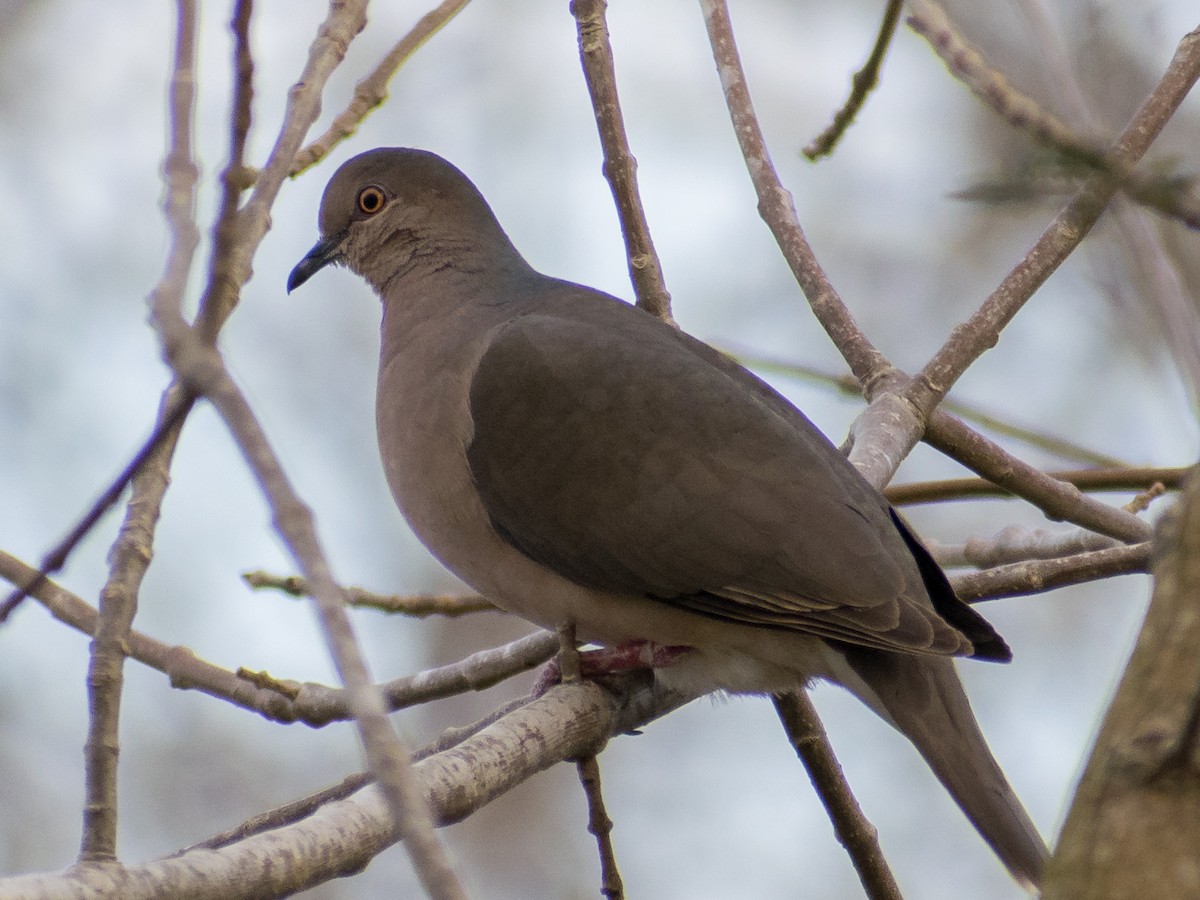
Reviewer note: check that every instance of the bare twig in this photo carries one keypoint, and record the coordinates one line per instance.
(620, 167)
(1145, 257)
(981, 331)
(600, 826)
(861, 85)
(851, 826)
(166, 428)
(777, 210)
(1132, 478)
(1056, 499)
(372, 91)
(221, 290)
(416, 605)
(1142, 501)
(989, 85)
(1075, 155)
(1014, 544)
(588, 769)
(200, 367)
(1033, 577)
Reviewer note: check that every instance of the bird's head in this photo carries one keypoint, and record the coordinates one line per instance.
(394, 210)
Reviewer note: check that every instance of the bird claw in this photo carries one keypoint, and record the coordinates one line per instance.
(603, 661)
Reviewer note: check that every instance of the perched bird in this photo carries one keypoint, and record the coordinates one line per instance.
(578, 460)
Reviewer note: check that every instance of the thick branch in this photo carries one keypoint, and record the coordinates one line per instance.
(343, 837)
(1134, 824)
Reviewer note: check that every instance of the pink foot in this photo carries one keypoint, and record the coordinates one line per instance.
(613, 660)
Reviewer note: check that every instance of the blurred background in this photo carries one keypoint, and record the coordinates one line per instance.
(709, 802)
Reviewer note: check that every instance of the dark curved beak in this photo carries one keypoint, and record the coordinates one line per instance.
(326, 251)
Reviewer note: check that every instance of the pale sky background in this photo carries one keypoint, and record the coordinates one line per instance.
(710, 802)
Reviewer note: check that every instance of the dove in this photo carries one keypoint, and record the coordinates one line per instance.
(577, 460)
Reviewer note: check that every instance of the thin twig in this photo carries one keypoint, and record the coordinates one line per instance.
(1075, 155)
(588, 770)
(1132, 478)
(989, 85)
(600, 826)
(201, 368)
(372, 91)
(851, 826)
(620, 167)
(221, 287)
(1016, 543)
(166, 428)
(861, 84)
(1162, 288)
(415, 605)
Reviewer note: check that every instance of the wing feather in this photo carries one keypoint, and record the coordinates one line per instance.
(629, 457)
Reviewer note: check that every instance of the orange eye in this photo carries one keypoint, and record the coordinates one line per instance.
(371, 200)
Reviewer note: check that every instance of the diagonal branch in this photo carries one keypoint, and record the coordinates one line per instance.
(620, 167)
(869, 367)
(854, 832)
(203, 370)
(862, 83)
(981, 331)
(1057, 499)
(371, 92)
(777, 210)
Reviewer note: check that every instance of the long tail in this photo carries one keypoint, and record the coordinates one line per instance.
(924, 699)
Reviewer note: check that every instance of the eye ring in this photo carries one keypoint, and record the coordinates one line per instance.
(371, 200)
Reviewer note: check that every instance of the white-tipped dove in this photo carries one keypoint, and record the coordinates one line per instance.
(577, 460)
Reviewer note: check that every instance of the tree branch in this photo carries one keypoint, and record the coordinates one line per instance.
(777, 210)
(620, 167)
(861, 84)
(564, 723)
(850, 824)
(1034, 577)
(981, 331)
(371, 92)
(1132, 826)
(131, 553)
(416, 605)
(1122, 478)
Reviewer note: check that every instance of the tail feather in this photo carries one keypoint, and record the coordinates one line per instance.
(924, 699)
